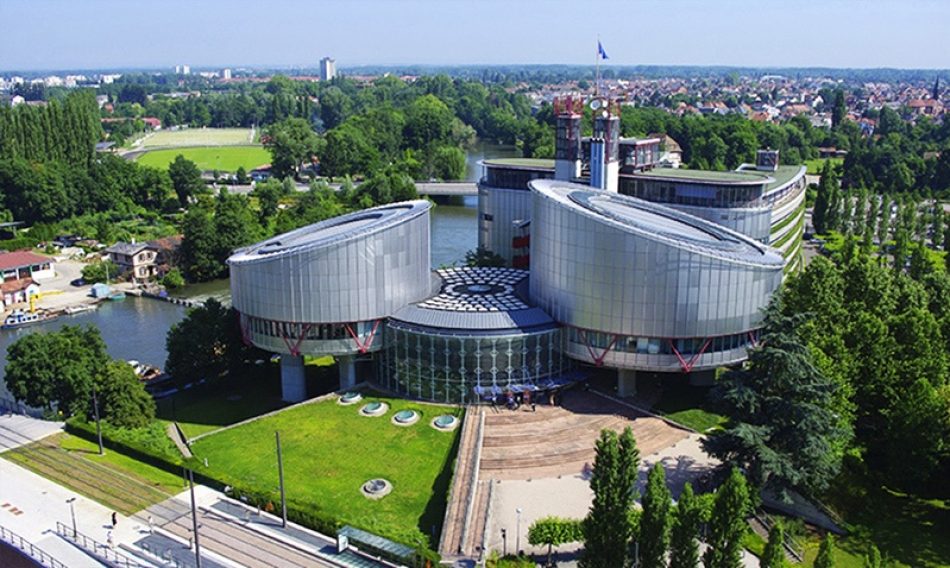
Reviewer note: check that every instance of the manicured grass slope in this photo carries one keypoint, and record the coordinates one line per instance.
(221, 158)
(331, 450)
(115, 480)
(209, 407)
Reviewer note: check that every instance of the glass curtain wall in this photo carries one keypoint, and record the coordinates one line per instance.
(447, 368)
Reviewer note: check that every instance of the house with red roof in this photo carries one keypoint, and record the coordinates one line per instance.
(23, 264)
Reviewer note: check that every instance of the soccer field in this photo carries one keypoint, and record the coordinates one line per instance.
(200, 137)
(221, 158)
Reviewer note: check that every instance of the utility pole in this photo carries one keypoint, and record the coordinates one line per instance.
(95, 408)
(194, 518)
(518, 538)
(280, 475)
(72, 512)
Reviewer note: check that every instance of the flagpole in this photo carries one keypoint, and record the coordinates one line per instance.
(597, 67)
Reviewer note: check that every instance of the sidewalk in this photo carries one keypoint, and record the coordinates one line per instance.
(17, 430)
(32, 505)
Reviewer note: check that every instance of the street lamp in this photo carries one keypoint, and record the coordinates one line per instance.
(518, 537)
(72, 513)
(95, 407)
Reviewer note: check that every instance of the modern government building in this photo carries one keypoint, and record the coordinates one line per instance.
(613, 262)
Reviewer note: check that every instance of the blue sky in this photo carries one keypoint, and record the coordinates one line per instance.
(58, 34)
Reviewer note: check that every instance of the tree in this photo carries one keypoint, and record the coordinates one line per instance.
(197, 346)
(56, 368)
(268, 198)
(826, 553)
(240, 176)
(186, 179)
(774, 554)
(234, 227)
(783, 430)
(199, 246)
(428, 123)
(448, 163)
(873, 558)
(839, 110)
(483, 257)
(825, 215)
(101, 271)
(727, 523)
(554, 531)
(173, 279)
(655, 520)
(684, 548)
(122, 397)
(291, 142)
(607, 527)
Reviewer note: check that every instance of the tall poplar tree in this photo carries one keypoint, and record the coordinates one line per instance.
(607, 528)
(684, 546)
(655, 520)
(774, 554)
(727, 524)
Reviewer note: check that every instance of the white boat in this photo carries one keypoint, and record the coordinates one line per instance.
(71, 310)
(19, 318)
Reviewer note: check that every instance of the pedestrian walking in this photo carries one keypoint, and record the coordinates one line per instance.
(150, 524)
(109, 542)
(115, 519)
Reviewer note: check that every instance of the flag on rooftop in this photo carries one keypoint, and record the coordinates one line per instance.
(600, 51)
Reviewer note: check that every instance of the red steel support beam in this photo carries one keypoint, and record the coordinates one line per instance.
(363, 347)
(687, 366)
(598, 359)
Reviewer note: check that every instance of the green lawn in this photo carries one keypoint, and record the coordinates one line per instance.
(221, 158)
(814, 166)
(330, 450)
(209, 407)
(687, 405)
(200, 137)
(115, 480)
(909, 530)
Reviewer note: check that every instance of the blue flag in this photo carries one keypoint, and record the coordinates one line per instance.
(600, 51)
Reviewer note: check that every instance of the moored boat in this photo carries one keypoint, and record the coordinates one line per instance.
(19, 319)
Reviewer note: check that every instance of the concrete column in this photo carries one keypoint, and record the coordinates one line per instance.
(293, 385)
(626, 383)
(347, 372)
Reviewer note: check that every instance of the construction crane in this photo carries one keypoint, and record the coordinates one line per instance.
(39, 296)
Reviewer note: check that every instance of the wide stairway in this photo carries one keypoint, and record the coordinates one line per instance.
(559, 440)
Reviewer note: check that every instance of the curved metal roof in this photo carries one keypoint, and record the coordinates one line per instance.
(476, 299)
(331, 231)
(658, 223)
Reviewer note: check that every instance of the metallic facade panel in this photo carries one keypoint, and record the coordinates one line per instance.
(339, 270)
(499, 211)
(595, 272)
(751, 222)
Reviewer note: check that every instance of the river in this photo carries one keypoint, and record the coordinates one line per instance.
(135, 328)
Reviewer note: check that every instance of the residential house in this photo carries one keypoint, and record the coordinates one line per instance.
(135, 259)
(18, 291)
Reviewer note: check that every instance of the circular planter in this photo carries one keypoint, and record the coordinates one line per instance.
(350, 398)
(374, 409)
(405, 418)
(376, 489)
(445, 423)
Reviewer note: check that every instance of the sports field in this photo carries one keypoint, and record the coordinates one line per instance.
(221, 158)
(200, 137)
(330, 450)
